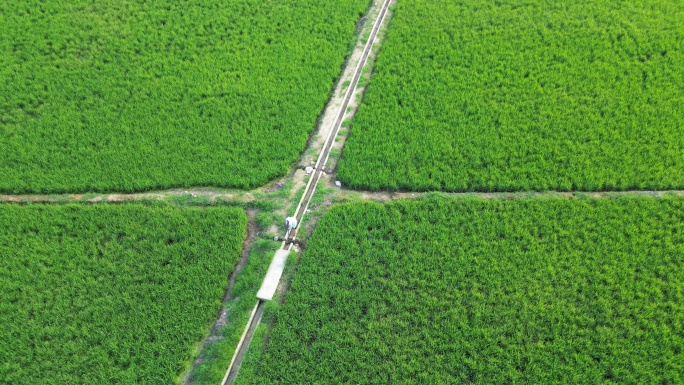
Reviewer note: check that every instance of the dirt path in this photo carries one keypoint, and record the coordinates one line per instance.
(209, 194)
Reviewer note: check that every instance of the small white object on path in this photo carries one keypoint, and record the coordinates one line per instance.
(338, 183)
(309, 170)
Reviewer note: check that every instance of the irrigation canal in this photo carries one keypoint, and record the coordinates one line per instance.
(275, 270)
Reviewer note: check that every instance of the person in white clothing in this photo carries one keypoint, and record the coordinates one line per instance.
(291, 222)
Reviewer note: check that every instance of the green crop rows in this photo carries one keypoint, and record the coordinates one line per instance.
(110, 294)
(540, 291)
(127, 95)
(517, 95)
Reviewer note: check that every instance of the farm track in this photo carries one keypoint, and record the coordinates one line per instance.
(379, 196)
(207, 193)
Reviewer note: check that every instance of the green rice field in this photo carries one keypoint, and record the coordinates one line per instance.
(439, 291)
(122, 95)
(517, 95)
(110, 294)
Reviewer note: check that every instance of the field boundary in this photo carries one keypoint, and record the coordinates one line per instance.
(252, 196)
